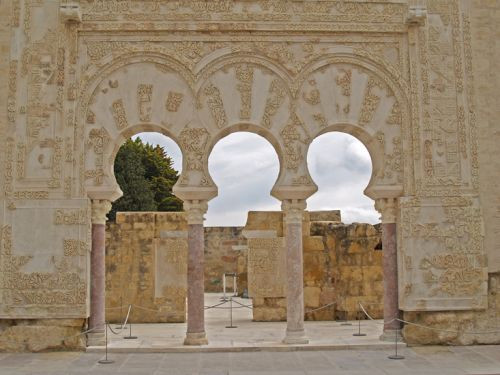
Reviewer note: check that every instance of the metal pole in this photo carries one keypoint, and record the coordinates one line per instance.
(231, 314)
(130, 337)
(121, 314)
(234, 285)
(345, 322)
(359, 326)
(224, 286)
(396, 355)
(106, 361)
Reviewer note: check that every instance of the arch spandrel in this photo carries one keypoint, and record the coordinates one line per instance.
(133, 98)
(235, 92)
(348, 94)
(241, 89)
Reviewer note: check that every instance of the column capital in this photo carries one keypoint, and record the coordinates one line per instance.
(293, 210)
(388, 209)
(195, 211)
(100, 208)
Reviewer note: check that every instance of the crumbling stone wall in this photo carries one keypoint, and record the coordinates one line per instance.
(146, 266)
(225, 252)
(39, 335)
(457, 327)
(342, 267)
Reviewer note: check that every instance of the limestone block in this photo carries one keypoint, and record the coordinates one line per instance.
(39, 335)
(267, 314)
(265, 220)
(326, 216)
(312, 296)
(313, 243)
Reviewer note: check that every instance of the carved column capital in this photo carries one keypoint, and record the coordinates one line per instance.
(416, 15)
(388, 208)
(195, 211)
(100, 208)
(293, 210)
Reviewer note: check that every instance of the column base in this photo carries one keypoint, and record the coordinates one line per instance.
(389, 335)
(196, 339)
(96, 339)
(295, 338)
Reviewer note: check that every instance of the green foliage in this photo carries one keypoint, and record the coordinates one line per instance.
(146, 177)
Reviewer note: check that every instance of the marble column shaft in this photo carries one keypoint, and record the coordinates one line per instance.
(98, 278)
(195, 334)
(390, 269)
(100, 207)
(195, 296)
(295, 333)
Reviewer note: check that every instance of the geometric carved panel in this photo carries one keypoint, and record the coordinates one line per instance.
(442, 259)
(43, 262)
(266, 267)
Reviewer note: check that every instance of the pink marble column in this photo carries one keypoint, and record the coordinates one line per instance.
(387, 208)
(196, 287)
(98, 272)
(292, 221)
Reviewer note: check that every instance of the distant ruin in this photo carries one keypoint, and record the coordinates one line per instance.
(146, 265)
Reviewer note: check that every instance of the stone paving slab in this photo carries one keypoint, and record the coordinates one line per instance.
(474, 360)
(249, 336)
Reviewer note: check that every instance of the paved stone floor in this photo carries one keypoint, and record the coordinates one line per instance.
(255, 348)
(479, 360)
(248, 336)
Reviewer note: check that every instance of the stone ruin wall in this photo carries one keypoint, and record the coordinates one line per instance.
(146, 266)
(341, 266)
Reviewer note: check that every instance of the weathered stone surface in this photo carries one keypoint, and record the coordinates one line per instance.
(146, 266)
(456, 327)
(224, 247)
(341, 269)
(38, 335)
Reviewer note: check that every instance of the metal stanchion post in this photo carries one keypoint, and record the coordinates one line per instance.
(224, 287)
(130, 337)
(235, 290)
(345, 322)
(106, 361)
(359, 326)
(121, 314)
(231, 313)
(396, 355)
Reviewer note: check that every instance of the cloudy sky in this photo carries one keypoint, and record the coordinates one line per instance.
(245, 167)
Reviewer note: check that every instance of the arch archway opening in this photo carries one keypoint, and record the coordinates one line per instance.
(139, 271)
(146, 167)
(245, 167)
(341, 166)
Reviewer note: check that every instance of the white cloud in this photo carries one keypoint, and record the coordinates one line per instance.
(245, 167)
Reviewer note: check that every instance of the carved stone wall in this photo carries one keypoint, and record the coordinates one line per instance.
(485, 57)
(417, 87)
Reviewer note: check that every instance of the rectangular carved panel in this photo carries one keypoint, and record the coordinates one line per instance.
(45, 247)
(266, 267)
(441, 256)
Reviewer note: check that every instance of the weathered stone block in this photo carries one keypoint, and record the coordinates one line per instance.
(312, 296)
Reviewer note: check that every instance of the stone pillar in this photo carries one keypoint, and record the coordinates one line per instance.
(195, 279)
(293, 214)
(388, 210)
(98, 272)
